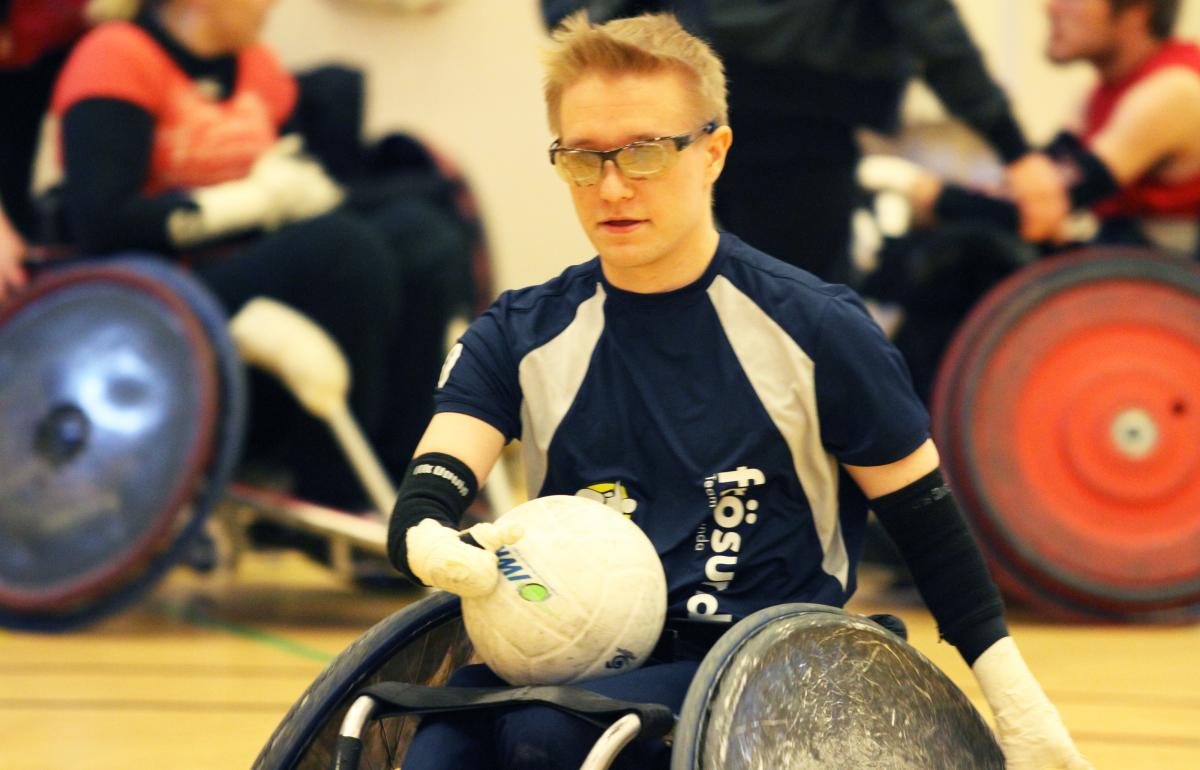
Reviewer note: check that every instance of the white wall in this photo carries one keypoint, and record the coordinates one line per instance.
(467, 78)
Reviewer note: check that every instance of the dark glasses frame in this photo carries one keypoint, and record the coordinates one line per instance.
(681, 142)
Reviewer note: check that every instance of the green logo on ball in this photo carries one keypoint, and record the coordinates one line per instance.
(534, 592)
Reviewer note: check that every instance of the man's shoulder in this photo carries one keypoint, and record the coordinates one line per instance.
(532, 315)
(116, 60)
(1179, 51)
(775, 285)
(567, 289)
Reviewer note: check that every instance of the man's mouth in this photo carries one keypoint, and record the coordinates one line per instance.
(620, 225)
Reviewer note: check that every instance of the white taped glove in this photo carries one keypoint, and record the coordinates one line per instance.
(284, 185)
(1030, 730)
(440, 559)
(905, 192)
(297, 184)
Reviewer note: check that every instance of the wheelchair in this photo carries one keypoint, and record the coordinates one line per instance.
(1062, 385)
(791, 686)
(123, 404)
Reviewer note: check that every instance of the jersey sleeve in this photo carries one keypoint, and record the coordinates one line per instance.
(115, 61)
(869, 412)
(480, 376)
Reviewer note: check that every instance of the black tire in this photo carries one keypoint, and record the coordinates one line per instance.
(421, 644)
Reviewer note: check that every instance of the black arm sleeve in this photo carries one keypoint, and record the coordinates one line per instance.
(958, 204)
(435, 486)
(932, 536)
(954, 68)
(106, 153)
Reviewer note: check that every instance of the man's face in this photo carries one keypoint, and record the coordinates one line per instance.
(1081, 29)
(638, 223)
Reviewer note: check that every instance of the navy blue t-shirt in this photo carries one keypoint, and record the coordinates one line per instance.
(716, 416)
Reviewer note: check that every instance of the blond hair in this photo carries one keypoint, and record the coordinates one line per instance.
(652, 42)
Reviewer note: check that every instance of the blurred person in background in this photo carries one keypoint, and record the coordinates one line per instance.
(1129, 167)
(808, 75)
(35, 36)
(181, 134)
(1132, 157)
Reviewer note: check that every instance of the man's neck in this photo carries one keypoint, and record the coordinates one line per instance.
(189, 30)
(673, 272)
(1128, 57)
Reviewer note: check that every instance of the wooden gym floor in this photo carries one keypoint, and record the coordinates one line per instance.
(196, 676)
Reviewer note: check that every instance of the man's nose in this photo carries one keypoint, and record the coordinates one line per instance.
(613, 184)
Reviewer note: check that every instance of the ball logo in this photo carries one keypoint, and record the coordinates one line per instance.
(533, 592)
(622, 659)
(512, 569)
(613, 494)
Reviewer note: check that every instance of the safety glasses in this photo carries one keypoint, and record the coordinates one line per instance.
(636, 160)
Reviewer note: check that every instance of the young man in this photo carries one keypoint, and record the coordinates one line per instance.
(698, 376)
(1134, 156)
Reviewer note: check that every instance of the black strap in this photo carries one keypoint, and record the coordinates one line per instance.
(401, 698)
(1090, 180)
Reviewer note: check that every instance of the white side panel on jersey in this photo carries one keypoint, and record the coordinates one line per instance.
(550, 379)
(781, 374)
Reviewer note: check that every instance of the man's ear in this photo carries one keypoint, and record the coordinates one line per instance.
(717, 148)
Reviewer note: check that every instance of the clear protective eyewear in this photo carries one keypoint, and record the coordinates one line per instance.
(636, 160)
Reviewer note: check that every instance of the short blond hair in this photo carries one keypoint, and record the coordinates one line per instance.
(648, 43)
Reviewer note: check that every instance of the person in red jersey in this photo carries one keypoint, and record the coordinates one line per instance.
(1142, 120)
(1132, 159)
(1128, 169)
(181, 134)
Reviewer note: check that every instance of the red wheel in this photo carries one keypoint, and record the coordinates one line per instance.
(1069, 410)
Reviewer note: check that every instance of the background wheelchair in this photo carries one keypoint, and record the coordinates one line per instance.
(122, 410)
(792, 686)
(1062, 386)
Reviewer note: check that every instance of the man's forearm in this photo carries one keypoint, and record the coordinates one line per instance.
(924, 521)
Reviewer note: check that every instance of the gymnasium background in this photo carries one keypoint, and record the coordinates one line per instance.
(466, 77)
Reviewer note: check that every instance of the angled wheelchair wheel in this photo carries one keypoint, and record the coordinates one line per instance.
(1066, 412)
(421, 644)
(121, 410)
(809, 687)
